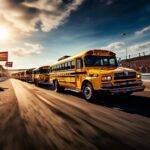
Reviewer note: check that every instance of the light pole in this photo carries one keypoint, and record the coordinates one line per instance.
(123, 35)
(126, 53)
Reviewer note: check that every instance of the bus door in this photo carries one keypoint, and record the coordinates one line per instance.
(70, 77)
(79, 72)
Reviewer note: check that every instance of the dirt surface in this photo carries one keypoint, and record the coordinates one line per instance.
(147, 85)
(38, 118)
(13, 133)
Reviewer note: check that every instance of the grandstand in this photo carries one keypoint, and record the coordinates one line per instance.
(141, 63)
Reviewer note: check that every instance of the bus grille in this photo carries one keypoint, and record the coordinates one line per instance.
(124, 75)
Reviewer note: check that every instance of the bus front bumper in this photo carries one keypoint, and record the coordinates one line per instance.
(119, 90)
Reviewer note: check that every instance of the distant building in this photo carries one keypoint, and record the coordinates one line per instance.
(141, 63)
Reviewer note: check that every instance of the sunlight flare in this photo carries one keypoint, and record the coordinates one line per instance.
(4, 33)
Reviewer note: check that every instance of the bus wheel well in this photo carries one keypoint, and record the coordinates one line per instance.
(85, 82)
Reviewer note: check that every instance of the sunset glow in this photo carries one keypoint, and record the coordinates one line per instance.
(4, 33)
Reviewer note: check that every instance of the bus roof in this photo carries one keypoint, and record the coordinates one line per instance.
(30, 69)
(89, 52)
(44, 67)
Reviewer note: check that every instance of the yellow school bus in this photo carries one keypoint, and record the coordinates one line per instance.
(28, 75)
(35, 76)
(15, 75)
(22, 75)
(94, 71)
(19, 75)
(41, 75)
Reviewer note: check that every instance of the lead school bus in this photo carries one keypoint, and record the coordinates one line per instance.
(94, 71)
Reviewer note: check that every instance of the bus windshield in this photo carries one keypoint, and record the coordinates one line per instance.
(44, 70)
(29, 72)
(100, 61)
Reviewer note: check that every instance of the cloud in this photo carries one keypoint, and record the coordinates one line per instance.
(140, 47)
(114, 46)
(133, 50)
(27, 49)
(143, 31)
(29, 16)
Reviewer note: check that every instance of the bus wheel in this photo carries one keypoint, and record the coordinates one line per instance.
(57, 87)
(88, 92)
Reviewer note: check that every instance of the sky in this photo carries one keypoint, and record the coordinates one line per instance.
(38, 32)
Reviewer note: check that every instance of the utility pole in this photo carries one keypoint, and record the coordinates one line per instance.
(126, 50)
(126, 53)
(139, 54)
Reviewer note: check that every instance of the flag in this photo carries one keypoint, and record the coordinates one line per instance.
(8, 64)
(3, 56)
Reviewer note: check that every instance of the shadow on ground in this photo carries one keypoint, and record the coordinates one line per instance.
(3, 89)
(2, 80)
(132, 104)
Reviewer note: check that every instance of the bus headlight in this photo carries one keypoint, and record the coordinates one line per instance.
(139, 76)
(106, 78)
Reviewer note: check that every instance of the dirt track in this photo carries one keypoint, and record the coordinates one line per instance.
(38, 118)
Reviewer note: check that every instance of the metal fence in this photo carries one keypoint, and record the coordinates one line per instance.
(146, 76)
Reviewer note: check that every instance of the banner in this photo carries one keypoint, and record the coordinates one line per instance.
(8, 64)
(3, 56)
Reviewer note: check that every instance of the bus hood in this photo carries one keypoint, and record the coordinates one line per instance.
(103, 71)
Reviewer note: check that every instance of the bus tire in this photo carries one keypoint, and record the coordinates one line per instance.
(88, 92)
(57, 87)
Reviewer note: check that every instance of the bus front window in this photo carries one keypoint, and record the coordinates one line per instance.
(100, 61)
(44, 71)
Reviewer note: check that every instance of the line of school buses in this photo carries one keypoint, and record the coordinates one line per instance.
(88, 72)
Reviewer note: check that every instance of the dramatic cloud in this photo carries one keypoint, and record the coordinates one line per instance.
(29, 16)
(27, 49)
(140, 47)
(121, 45)
(120, 48)
(143, 31)
(114, 46)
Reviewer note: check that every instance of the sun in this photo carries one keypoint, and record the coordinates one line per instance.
(4, 33)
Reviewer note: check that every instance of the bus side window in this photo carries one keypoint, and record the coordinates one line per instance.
(72, 64)
(79, 63)
(69, 65)
(50, 69)
(62, 66)
(66, 66)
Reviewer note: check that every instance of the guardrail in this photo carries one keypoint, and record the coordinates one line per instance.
(146, 76)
